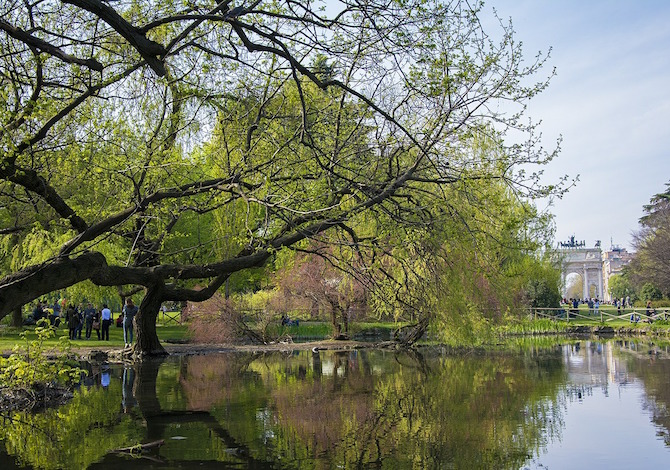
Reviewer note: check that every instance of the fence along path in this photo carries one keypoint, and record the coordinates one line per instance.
(606, 315)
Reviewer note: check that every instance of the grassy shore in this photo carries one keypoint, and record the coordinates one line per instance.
(174, 333)
(9, 337)
(316, 331)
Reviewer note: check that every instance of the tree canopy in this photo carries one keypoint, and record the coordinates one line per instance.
(164, 145)
(651, 265)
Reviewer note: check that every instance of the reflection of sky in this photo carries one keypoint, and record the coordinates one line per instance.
(606, 432)
(608, 426)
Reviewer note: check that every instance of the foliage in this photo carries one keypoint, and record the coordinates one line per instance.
(75, 435)
(651, 263)
(313, 283)
(542, 290)
(650, 292)
(172, 146)
(621, 287)
(220, 320)
(467, 281)
(29, 366)
(541, 294)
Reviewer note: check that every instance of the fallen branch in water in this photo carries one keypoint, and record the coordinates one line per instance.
(139, 448)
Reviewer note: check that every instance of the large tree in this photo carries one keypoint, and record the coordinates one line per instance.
(651, 264)
(163, 144)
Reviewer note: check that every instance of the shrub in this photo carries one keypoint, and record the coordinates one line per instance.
(218, 320)
(28, 373)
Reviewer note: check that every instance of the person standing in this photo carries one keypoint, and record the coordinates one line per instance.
(38, 311)
(55, 316)
(80, 326)
(106, 315)
(650, 311)
(89, 316)
(129, 312)
(96, 323)
(72, 317)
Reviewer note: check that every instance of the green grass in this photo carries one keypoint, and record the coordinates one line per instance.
(306, 329)
(314, 330)
(317, 330)
(10, 336)
(540, 326)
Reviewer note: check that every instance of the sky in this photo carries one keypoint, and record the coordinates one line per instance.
(609, 101)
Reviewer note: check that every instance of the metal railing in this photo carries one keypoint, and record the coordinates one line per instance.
(605, 314)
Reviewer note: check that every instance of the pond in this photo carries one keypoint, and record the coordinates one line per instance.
(572, 405)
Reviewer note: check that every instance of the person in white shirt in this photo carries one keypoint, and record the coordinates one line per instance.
(106, 321)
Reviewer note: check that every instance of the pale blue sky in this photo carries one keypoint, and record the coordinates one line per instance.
(609, 101)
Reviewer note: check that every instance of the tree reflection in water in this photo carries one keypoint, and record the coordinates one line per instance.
(645, 364)
(364, 408)
(72, 436)
(303, 409)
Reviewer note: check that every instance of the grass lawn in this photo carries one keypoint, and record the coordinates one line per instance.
(305, 331)
(316, 330)
(308, 330)
(10, 337)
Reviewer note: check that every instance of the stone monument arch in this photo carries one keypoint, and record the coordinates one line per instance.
(575, 257)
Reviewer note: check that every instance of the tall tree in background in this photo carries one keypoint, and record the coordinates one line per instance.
(163, 145)
(621, 287)
(651, 263)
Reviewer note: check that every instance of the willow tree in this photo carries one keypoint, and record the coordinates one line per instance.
(106, 108)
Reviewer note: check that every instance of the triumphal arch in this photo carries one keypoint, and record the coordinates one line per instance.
(575, 257)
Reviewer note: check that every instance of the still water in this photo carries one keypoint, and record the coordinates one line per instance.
(575, 405)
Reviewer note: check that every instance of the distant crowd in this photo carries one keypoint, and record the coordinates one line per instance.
(80, 318)
(620, 303)
(594, 303)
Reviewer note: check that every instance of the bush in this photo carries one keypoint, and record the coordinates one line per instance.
(218, 320)
(29, 370)
(650, 292)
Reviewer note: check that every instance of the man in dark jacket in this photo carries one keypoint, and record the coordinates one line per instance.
(73, 320)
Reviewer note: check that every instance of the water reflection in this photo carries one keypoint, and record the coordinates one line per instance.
(335, 409)
(605, 425)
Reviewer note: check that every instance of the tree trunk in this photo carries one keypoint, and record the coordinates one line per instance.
(17, 317)
(147, 397)
(345, 320)
(410, 334)
(333, 322)
(147, 343)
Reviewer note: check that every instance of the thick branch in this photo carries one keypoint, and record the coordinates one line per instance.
(30, 180)
(37, 43)
(18, 289)
(186, 190)
(150, 50)
(195, 295)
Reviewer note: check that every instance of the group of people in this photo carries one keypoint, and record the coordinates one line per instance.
(594, 304)
(619, 303)
(90, 318)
